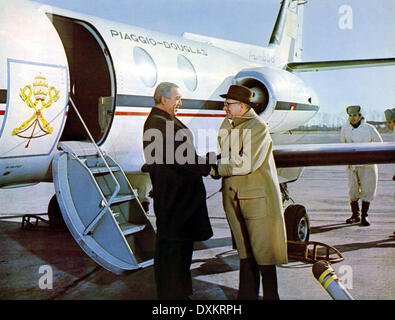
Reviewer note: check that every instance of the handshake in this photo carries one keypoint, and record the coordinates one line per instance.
(212, 158)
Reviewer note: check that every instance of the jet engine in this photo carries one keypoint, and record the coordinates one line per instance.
(281, 98)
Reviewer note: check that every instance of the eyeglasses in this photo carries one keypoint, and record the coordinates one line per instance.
(226, 104)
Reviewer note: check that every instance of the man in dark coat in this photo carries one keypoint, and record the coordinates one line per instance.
(178, 192)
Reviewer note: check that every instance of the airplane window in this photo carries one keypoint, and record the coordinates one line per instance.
(146, 67)
(188, 72)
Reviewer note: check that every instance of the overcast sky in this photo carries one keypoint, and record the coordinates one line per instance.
(371, 36)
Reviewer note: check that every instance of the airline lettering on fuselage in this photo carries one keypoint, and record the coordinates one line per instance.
(153, 42)
(262, 58)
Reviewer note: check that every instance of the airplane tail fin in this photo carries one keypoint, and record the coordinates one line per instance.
(285, 42)
(286, 37)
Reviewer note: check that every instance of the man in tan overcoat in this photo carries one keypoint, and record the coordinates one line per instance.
(251, 195)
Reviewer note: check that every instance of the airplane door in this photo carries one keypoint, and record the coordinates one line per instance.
(34, 74)
(92, 79)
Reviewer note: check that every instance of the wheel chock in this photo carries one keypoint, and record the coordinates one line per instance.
(311, 252)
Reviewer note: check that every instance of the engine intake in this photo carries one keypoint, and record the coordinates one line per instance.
(261, 94)
(281, 98)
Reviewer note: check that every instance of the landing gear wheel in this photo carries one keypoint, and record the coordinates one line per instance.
(54, 214)
(297, 223)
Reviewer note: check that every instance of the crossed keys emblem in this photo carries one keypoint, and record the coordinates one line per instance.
(40, 91)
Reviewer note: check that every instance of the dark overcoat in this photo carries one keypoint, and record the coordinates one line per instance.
(176, 172)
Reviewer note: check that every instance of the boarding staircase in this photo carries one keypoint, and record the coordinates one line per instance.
(101, 208)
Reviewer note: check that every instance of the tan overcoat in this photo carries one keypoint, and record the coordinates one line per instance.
(250, 189)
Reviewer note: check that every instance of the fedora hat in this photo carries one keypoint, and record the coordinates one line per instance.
(239, 93)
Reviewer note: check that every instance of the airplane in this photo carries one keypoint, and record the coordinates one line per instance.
(75, 91)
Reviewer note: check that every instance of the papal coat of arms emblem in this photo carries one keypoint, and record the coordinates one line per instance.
(43, 97)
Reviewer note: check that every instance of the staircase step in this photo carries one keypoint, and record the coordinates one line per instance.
(123, 197)
(130, 228)
(80, 148)
(119, 199)
(103, 169)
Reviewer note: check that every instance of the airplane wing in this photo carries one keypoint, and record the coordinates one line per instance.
(339, 64)
(333, 154)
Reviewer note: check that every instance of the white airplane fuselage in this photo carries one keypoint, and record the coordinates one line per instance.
(111, 71)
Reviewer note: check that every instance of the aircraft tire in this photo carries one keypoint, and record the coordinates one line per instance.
(297, 223)
(54, 214)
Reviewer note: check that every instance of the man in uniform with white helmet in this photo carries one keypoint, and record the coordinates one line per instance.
(390, 124)
(362, 179)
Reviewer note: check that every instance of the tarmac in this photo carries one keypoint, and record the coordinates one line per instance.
(28, 258)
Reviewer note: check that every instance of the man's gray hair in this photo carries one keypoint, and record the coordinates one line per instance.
(163, 90)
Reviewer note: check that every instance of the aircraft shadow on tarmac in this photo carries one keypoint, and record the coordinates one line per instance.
(223, 262)
(76, 269)
(55, 248)
(59, 250)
